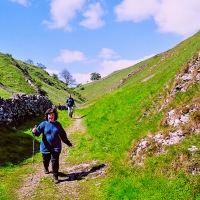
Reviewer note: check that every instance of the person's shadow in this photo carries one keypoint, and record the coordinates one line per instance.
(79, 175)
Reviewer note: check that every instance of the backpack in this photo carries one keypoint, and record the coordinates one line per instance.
(70, 102)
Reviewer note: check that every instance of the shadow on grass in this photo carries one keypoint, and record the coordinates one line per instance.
(80, 175)
(16, 145)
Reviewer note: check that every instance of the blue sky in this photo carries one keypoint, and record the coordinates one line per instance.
(85, 36)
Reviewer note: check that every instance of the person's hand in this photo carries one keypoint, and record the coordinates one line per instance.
(70, 144)
(34, 130)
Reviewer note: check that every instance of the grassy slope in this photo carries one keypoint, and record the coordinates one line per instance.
(14, 80)
(113, 129)
(57, 92)
(101, 87)
(4, 94)
(97, 89)
(12, 77)
(16, 160)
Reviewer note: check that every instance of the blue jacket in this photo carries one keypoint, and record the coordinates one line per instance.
(52, 134)
(70, 102)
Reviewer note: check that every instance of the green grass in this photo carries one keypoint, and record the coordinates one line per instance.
(17, 154)
(184, 51)
(158, 179)
(22, 136)
(5, 94)
(14, 75)
(115, 124)
(113, 127)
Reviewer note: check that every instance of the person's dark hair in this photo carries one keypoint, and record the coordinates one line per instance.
(51, 110)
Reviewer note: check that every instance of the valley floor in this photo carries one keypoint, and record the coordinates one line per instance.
(68, 188)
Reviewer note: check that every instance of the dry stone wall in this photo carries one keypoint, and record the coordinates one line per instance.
(20, 107)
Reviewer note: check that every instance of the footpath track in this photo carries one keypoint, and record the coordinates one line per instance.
(66, 186)
(69, 185)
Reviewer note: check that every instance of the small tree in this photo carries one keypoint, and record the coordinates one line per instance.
(79, 85)
(55, 76)
(40, 65)
(69, 80)
(9, 55)
(29, 61)
(95, 76)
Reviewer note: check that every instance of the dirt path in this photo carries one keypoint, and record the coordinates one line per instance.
(68, 185)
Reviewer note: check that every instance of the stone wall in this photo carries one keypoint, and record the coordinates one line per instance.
(20, 107)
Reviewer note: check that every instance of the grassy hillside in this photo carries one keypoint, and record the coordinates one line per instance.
(14, 76)
(114, 128)
(117, 121)
(184, 50)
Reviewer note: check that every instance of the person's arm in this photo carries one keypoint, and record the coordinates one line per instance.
(36, 131)
(63, 136)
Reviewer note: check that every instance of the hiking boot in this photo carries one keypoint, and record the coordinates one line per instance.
(46, 171)
(56, 181)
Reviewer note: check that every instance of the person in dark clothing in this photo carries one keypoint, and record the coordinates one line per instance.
(70, 106)
(51, 145)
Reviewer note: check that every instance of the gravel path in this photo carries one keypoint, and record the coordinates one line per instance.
(68, 185)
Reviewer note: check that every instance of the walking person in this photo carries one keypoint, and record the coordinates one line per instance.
(70, 106)
(51, 145)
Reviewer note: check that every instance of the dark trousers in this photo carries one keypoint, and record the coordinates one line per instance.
(54, 157)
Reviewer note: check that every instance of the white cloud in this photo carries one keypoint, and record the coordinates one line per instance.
(62, 11)
(134, 10)
(107, 53)
(110, 66)
(106, 68)
(22, 2)
(180, 17)
(67, 56)
(93, 17)
(82, 78)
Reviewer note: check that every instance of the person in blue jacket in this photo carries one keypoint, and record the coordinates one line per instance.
(51, 145)
(70, 105)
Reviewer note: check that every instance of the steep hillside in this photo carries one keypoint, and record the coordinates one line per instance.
(179, 54)
(140, 141)
(13, 76)
(19, 77)
(147, 130)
